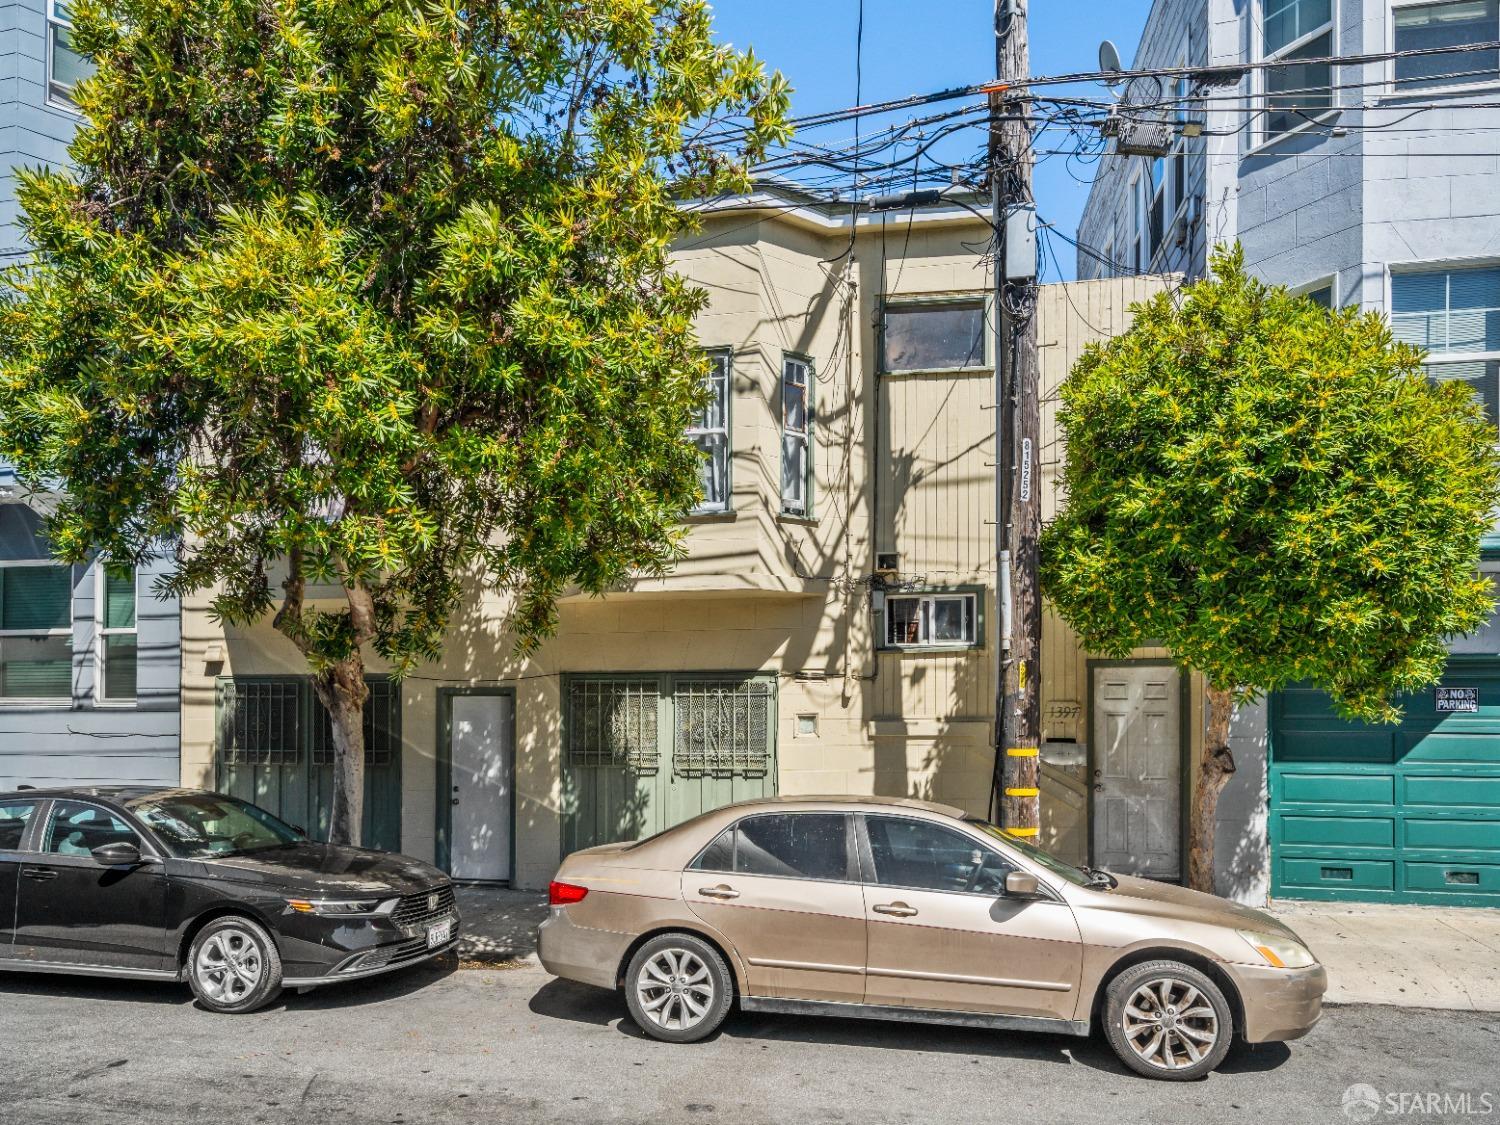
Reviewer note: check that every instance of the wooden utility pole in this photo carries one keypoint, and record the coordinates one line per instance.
(1018, 703)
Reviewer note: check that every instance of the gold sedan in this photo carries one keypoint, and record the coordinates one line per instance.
(905, 910)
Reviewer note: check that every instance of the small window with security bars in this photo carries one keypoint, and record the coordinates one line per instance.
(260, 722)
(613, 722)
(722, 728)
(382, 726)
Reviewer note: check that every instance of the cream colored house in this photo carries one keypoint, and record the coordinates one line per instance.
(830, 632)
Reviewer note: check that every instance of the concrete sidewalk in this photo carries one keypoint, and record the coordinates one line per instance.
(1409, 956)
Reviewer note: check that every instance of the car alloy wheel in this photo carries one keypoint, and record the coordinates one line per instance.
(675, 990)
(1169, 1023)
(230, 966)
(1167, 1020)
(678, 988)
(233, 966)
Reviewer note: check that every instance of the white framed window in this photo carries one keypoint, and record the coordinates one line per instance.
(1450, 23)
(116, 604)
(931, 620)
(1106, 268)
(36, 630)
(1140, 224)
(796, 435)
(710, 433)
(65, 66)
(933, 336)
(1454, 314)
(1295, 32)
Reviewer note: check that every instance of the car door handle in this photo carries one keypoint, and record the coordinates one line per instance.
(899, 909)
(721, 891)
(40, 874)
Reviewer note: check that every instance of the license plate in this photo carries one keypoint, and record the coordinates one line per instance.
(439, 934)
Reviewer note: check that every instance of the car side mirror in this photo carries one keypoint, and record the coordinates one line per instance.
(1021, 884)
(297, 828)
(118, 854)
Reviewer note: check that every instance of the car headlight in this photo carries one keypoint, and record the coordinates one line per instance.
(1279, 952)
(340, 907)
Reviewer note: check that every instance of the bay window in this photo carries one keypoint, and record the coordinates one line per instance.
(710, 433)
(796, 436)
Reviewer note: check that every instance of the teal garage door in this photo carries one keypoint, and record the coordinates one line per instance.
(1400, 813)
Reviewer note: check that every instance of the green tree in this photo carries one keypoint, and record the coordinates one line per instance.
(375, 294)
(1275, 493)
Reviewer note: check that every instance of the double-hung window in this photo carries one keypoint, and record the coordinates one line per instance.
(1293, 34)
(1455, 315)
(796, 436)
(36, 630)
(710, 433)
(1159, 210)
(1140, 225)
(1455, 23)
(931, 620)
(65, 66)
(117, 635)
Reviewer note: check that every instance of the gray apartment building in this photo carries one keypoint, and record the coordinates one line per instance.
(1376, 184)
(89, 660)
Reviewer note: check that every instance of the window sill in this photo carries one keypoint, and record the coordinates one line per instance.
(729, 515)
(1425, 93)
(1266, 147)
(945, 372)
(62, 106)
(923, 650)
(794, 518)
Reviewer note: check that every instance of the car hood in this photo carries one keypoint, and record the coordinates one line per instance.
(1167, 900)
(328, 869)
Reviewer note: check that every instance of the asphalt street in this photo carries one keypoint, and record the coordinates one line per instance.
(498, 1046)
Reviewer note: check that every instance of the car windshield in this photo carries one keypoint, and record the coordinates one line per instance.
(203, 825)
(1034, 853)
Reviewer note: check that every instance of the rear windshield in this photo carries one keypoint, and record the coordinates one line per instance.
(203, 825)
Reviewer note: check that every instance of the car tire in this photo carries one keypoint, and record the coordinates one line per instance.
(678, 988)
(233, 966)
(1167, 1020)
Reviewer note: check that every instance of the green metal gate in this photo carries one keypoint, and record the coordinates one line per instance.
(1403, 813)
(642, 752)
(275, 749)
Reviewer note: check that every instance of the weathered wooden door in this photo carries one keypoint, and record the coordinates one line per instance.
(1137, 770)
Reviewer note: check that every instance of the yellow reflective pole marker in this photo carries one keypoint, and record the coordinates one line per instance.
(1022, 792)
(1023, 831)
(1021, 751)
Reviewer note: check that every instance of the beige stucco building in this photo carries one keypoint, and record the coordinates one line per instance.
(830, 631)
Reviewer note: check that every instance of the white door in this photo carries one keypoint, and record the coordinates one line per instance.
(481, 741)
(1137, 770)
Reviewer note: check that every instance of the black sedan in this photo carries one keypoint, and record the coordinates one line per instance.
(181, 884)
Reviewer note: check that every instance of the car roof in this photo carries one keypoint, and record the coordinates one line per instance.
(97, 792)
(845, 801)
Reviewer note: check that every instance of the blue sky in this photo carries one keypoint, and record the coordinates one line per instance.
(921, 47)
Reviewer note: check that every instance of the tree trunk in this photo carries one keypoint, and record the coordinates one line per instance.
(1213, 775)
(342, 690)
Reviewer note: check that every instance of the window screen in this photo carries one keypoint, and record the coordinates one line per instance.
(934, 337)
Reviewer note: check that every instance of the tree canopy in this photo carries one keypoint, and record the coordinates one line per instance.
(1274, 492)
(377, 294)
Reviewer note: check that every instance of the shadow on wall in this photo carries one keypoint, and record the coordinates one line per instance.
(1241, 842)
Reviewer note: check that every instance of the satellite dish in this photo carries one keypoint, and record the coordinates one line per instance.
(1109, 59)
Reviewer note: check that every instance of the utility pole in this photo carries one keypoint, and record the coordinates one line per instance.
(1018, 700)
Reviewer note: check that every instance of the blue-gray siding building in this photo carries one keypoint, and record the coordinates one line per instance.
(1374, 184)
(89, 660)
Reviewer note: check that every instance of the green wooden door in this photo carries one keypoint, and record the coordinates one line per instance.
(1403, 813)
(275, 750)
(645, 752)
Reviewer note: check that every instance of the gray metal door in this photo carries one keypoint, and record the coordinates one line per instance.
(1138, 770)
(481, 740)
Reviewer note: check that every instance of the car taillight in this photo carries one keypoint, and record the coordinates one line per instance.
(563, 894)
